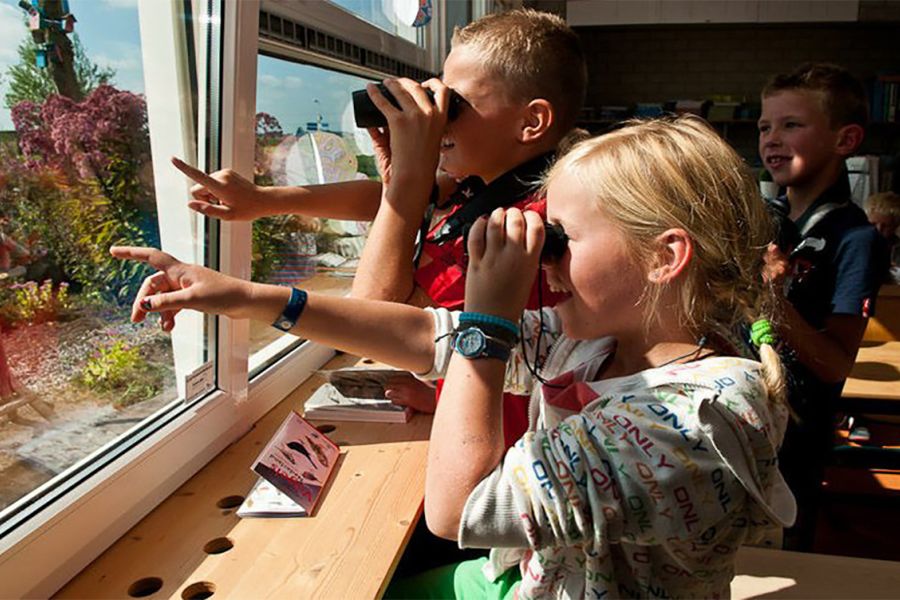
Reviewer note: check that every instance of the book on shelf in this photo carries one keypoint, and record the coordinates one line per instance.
(297, 462)
(357, 394)
(884, 97)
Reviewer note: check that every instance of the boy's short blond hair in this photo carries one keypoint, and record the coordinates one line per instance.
(844, 97)
(536, 55)
(884, 203)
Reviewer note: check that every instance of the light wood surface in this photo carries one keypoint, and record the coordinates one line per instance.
(347, 549)
(876, 373)
(764, 573)
(885, 325)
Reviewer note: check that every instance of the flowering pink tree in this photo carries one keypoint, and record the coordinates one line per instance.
(88, 139)
(83, 184)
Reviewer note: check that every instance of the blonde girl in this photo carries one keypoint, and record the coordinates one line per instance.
(651, 455)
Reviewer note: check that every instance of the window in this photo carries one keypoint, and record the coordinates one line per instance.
(75, 373)
(384, 14)
(189, 68)
(305, 136)
(81, 388)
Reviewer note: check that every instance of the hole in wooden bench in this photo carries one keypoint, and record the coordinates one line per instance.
(199, 590)
(230, 501)
(218, 546)
(145, 587)
(368, 361)
(326, 428)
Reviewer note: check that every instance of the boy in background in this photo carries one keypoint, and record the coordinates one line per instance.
(812, 120)
(883, 211)
(521, 77)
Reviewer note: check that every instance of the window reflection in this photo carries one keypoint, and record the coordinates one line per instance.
(383, 14)
(305, 135)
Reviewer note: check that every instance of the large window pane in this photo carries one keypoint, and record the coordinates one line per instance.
(76, 176)
(306, 135)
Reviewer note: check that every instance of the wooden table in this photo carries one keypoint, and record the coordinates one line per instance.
(348, 549)
(874, 382)
(764, 573)
(885, 325)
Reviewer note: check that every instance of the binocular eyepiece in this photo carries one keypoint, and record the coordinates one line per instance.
(367, 114)
(555, 242)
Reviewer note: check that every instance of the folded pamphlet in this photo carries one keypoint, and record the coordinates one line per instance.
(297, 462)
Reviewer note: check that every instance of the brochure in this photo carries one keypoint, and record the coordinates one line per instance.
(298, 461)
(264, 500)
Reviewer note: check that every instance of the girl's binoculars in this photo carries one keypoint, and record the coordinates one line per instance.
(555, 242)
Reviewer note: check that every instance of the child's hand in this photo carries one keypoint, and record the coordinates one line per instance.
(411, 143)
(178, 285)
(411, 392)
(381, 142)
(223, 194)
(504, 251)
(776, 265)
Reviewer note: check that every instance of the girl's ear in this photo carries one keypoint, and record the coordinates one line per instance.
(849, 139)
(537, 119)
(675, 252)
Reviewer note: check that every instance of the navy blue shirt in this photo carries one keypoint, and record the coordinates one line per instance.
(839, 272)
(843, 277)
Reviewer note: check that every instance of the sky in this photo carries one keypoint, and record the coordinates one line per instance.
(109, 31)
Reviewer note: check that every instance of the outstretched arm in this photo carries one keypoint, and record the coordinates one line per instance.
(396, 334)
(386, 266)
(228, 196)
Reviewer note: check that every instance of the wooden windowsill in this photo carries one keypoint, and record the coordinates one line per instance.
(348, 548)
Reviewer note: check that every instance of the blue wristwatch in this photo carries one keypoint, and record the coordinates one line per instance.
(472, 342)
(288, 317)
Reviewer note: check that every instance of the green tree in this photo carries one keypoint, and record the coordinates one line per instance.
(28, 82)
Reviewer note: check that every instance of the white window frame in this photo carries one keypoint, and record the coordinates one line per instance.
(44, 553)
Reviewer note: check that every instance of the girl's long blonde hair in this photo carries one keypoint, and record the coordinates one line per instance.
(650, 176)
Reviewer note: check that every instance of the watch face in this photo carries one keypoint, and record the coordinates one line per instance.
(470, 342)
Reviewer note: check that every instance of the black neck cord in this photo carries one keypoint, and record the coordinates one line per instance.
(538, 365)
(535, 368)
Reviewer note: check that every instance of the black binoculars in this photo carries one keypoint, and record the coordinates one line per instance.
(368, 115)
(555, 242)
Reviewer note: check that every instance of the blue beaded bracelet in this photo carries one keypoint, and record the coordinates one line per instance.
(292, 311)
(483, 319)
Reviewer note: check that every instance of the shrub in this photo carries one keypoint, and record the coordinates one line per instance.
(120, 368)
(33, 303)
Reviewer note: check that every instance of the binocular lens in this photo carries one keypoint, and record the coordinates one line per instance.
(555, 242)
(367, 114)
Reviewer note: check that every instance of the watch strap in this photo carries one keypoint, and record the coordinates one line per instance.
(493, 347)
(292, 310)
(492, 325)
